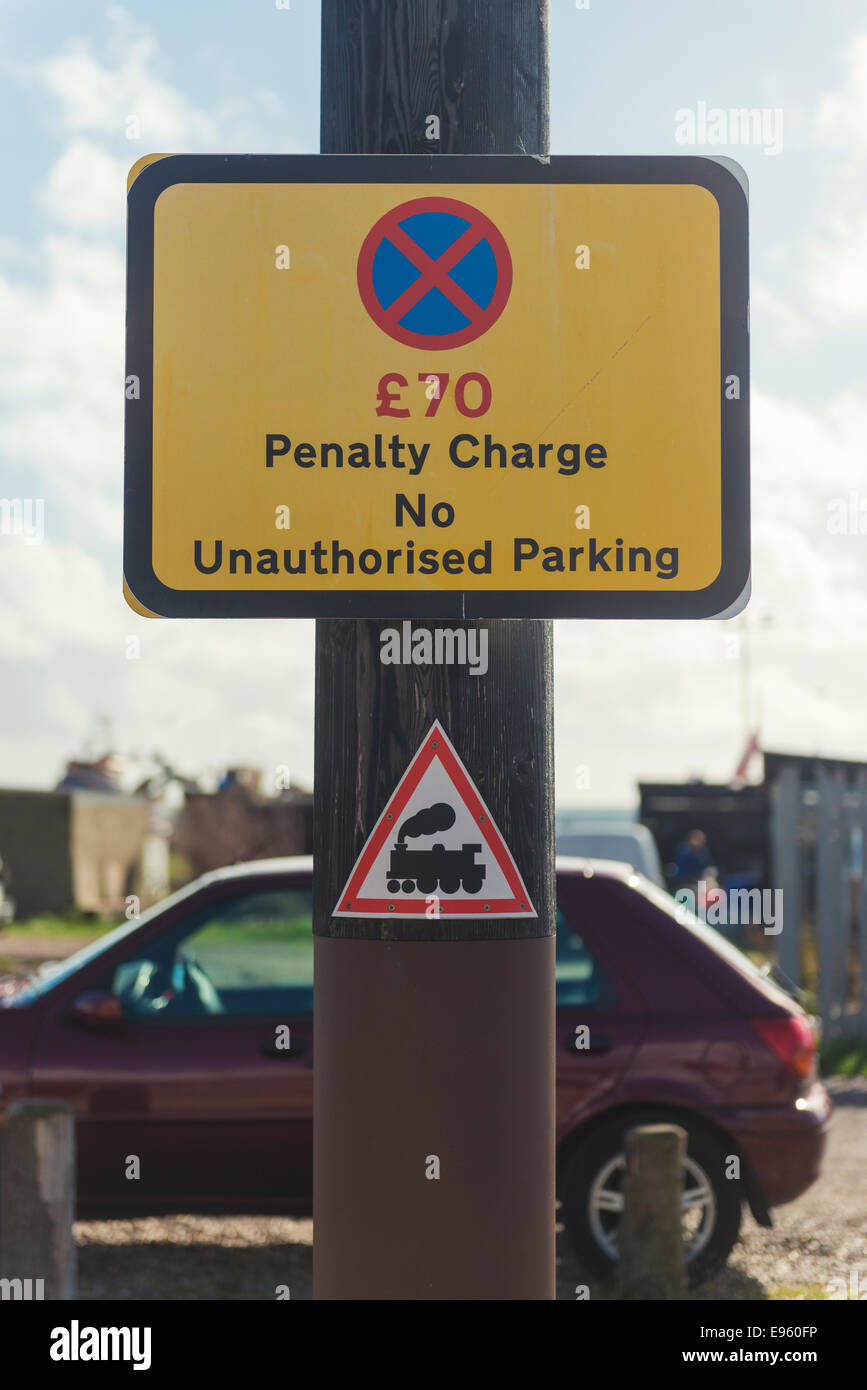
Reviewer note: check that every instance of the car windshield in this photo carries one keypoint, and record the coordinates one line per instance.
(681, 913)
(54, 972)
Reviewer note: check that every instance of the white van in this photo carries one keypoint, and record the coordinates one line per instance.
(626, 841)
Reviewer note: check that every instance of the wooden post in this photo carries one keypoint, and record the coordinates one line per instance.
(652, 1256)
(786, 815)
(433, 1039)
(37, 1199)
(831, 911)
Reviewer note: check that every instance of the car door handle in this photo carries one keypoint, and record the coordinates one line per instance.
(596, 1043)
(268, 1047)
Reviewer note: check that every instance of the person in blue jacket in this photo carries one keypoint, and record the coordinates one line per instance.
(691, 859)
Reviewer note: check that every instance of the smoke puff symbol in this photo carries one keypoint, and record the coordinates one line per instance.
(429, 821)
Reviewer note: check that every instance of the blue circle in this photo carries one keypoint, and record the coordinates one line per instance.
(434, 315)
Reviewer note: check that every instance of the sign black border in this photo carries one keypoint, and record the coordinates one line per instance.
(732, 581)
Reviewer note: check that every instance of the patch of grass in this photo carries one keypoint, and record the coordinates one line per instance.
(59, 924)
(844, 1057)
(811, 1293)
(252, 932)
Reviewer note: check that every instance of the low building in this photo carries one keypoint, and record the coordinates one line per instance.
(798, 836)
(736, 821)
(238, 823)
(78, 851)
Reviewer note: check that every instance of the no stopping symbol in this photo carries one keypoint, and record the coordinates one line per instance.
(434, 273)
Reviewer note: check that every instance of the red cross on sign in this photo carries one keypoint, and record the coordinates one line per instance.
(434, 273)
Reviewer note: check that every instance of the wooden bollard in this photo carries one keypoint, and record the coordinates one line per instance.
(37, 1200)
(652, 1253)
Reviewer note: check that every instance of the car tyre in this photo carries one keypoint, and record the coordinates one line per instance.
(595, 1169)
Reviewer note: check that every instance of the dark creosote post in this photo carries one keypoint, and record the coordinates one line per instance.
(434, 1038)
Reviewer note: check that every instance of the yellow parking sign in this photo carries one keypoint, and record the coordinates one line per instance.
(460, 386)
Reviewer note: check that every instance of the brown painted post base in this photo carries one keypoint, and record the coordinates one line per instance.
(436, 1181)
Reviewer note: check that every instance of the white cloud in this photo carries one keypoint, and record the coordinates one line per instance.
(61, 386)
(837, 268)
(841, 120)
(835, 265)
(127, 97)
(793, 327)
(98, 98)
(68, 329)
(205, 694)
(803, 457)
(86, 188)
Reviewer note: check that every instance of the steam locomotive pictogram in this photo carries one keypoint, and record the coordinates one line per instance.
(429, 869)
(435, 868)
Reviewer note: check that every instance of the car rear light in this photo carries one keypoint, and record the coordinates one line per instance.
(791, 1038)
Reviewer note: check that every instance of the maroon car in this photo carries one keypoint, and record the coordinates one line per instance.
(184, 1039)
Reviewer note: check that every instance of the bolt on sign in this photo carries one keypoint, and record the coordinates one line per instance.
(451, 387)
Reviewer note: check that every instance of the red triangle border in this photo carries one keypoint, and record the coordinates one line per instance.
(436, 744)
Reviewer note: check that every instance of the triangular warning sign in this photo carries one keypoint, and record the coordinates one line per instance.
(435, 851)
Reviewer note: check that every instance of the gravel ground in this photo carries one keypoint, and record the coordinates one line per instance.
(822, 1236)
(819, 1238)
(173, 1257)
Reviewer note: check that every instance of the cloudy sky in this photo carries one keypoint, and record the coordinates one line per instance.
(633, 700)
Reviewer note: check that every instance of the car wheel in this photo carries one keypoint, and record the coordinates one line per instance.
(592, 1200)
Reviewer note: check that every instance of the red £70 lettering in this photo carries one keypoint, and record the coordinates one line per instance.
(388, 400)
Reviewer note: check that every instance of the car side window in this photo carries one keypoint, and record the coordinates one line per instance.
(581, 980)
(247, 955)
